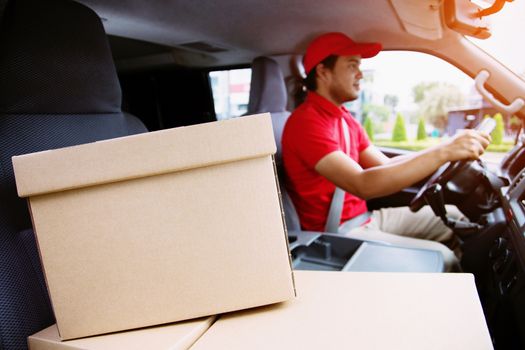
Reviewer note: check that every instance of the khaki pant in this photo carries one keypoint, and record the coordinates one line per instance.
(402, 227)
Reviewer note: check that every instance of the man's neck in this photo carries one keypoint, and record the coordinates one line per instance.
(328, 96)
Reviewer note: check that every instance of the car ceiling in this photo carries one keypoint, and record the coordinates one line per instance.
(218, 33)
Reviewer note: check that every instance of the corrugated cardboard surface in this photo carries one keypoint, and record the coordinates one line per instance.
(142, 155)
(166, 247)
(177, 336)
(345, 310)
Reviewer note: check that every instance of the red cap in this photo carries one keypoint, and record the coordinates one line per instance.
(336, 44)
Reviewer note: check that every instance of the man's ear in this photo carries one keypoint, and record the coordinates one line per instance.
(322, 72)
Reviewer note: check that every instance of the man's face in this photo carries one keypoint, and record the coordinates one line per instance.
(343, 79)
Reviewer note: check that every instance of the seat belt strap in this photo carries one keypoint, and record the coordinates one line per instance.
(334, 214)
(336, 206)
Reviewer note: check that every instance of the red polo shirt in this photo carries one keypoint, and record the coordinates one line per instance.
(314, 130)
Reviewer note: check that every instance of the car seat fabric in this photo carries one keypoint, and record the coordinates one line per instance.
(39, 53)
(58, 88)
(268, 94)
(2, 6)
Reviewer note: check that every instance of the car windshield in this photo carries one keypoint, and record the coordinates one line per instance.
(505, 43)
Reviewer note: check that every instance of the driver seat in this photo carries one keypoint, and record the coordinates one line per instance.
(268, 94)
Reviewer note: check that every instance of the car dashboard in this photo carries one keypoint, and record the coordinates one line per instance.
(496, 254)
(504, 292)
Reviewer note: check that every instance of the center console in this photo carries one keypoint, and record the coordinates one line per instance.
(331, 252)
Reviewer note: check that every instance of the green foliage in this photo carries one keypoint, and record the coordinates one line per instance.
(369, 128)
(378, 115)
(420, 145)
(420, 89)
(376, 112)
(499, 130)
(421, 131)
(435, 99)
(400, 132)
(515, 122)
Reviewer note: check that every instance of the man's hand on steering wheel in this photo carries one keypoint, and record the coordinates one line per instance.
(465, 146)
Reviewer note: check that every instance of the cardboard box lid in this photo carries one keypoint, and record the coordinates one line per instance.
(336, 310)
(123, 158)
(175, 336)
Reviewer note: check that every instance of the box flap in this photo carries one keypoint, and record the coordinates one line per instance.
(174, 336)
(141, 155)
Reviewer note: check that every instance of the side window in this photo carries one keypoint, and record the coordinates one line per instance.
(411, 100)
(231, 90)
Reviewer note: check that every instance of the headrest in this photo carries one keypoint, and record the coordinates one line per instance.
(267, 89)
(55, 59)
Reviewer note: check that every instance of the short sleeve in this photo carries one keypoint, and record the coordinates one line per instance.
(364, 141)
(359, 133)
(311, 139)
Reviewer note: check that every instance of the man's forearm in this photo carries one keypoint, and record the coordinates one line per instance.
(392, 176)
(399, 173)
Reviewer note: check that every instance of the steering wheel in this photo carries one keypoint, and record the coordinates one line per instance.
(444, 174)
(448, 170)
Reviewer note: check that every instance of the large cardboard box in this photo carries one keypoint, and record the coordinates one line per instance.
(356, 310)
(159, 227)
(175, 336)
